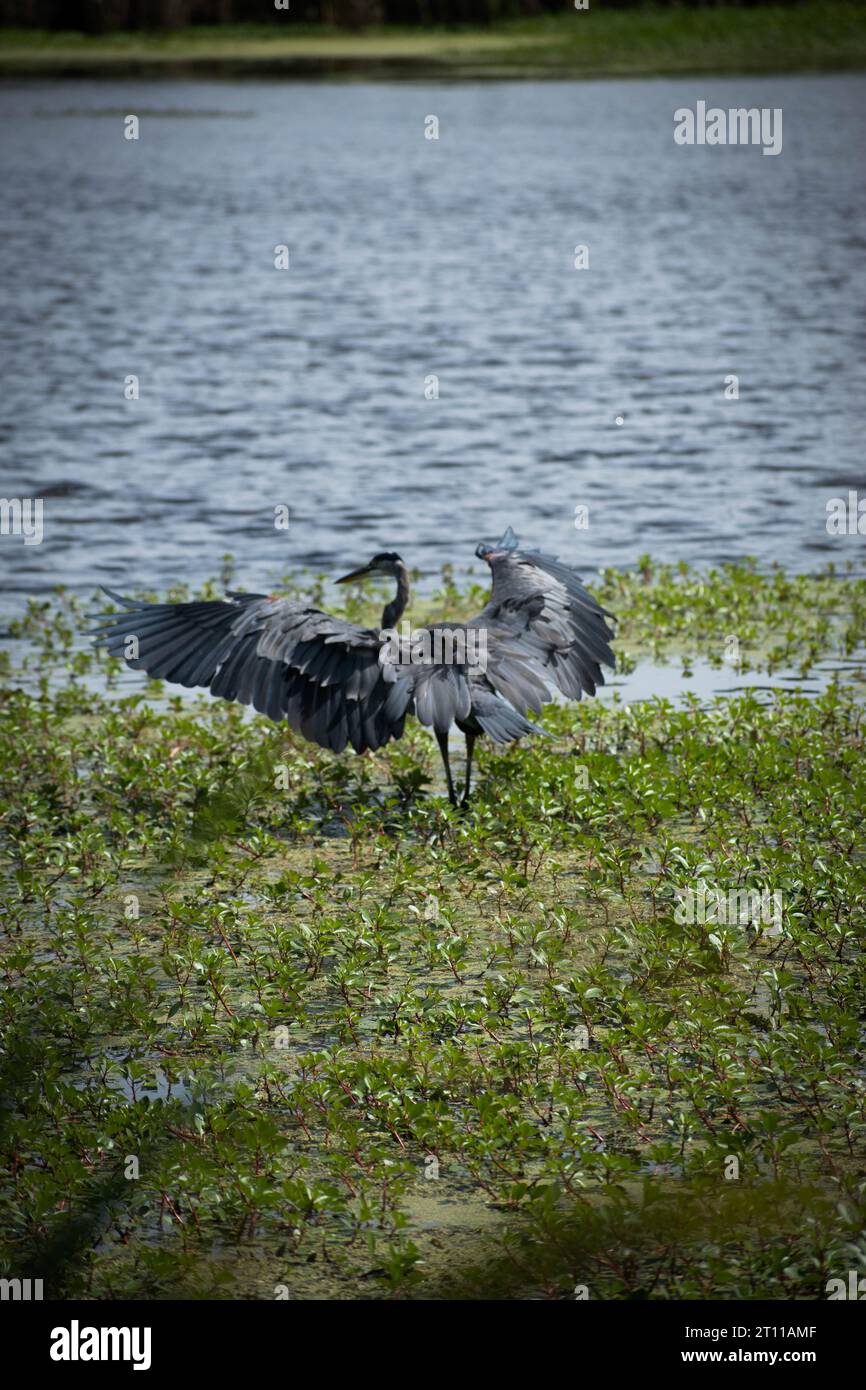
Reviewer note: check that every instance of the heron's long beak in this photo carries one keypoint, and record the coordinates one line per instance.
(356, 574)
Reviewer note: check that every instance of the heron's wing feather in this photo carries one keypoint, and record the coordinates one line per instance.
(499, 720)
(289, 661)
(541, 615)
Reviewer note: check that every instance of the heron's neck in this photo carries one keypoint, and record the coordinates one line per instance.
(393, 611)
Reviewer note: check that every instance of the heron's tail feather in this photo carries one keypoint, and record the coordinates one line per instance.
(442, 697)
(500, 721)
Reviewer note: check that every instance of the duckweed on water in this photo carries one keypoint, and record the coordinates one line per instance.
(279, 1023)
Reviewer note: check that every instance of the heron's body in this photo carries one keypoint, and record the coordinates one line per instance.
(337, 683)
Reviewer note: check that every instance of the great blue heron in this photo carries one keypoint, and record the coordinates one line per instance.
(338, 683)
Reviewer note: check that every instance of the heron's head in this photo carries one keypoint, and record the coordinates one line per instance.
(385, 562)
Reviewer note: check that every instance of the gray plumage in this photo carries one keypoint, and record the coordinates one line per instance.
(337, 683)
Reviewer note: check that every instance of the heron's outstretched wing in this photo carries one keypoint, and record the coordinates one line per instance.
(540, 611)
(289, 661)
(541, 629)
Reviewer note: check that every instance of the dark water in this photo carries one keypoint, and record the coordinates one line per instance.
(412, 257)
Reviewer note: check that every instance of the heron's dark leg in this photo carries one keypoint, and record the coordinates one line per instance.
(470, 745)
(442, 740)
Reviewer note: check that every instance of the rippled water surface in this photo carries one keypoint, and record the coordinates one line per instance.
(411, 258)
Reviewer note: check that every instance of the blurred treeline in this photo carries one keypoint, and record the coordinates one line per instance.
(101, 16)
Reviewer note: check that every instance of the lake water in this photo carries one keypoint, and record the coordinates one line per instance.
(412, 258)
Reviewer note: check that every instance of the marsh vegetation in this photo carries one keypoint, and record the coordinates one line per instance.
(280, 1023)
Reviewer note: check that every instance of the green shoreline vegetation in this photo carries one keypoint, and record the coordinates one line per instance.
(593, 43)
(277, 1022)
